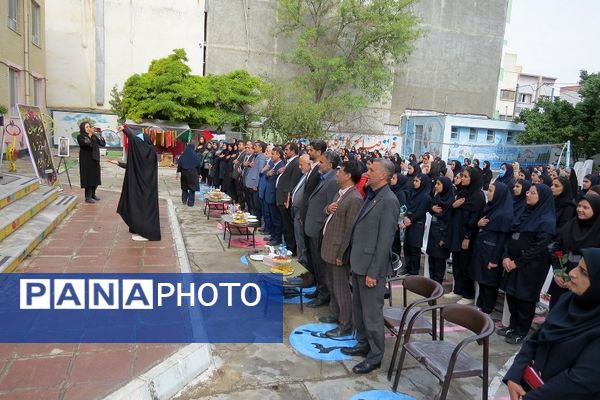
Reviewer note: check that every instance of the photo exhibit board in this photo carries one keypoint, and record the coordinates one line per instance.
(37, 143)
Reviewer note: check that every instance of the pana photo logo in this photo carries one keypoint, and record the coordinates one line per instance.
(129, 294)
(141, 308)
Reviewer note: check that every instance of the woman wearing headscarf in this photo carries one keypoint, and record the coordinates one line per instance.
(546, 180)
(506, 175)
(412, 170)
(437, 242)
(486, 172)
(467, 209)
(588, 181)
(494, 226)
(579, 233)
(524, 174)
(419, 201)
(526, 261)
(401, 187)
(455, 166)
(565, 351)
(188, 166)
(519, 200)
(563, 201)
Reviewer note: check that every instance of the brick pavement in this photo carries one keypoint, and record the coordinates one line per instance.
(92, 239)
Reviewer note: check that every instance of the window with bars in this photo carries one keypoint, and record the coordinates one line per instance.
(472, 135)
(14, 86)
(37, 92)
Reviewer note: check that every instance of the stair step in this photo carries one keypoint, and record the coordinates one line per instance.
(22, 242)
(19, 212)
(14, 187)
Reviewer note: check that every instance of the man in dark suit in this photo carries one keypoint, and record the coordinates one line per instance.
(370, 261)
(270, 196)
(299, 204)
(313, 224)
(336, 240)
(287, 180)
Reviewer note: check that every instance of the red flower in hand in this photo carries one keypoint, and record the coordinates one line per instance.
(559, 253)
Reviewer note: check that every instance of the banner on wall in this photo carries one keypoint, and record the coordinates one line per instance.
(66, 124)
(391, 142)
(37, 143)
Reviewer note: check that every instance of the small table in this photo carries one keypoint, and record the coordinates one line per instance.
(262, 268)
(236, 228)
(215, 205)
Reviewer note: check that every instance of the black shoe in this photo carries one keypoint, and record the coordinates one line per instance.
(90, 200)
(267, 238)
(365, 367)
(274, 243)
(96, 198)
(312, 295)
(328, 320)
(505, 332)
(317, 303)
(338, 332)
(360, 351)
(515, 338)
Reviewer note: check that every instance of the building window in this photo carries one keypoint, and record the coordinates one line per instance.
(472, 135)
(510, 137)
(454, 132)
(418, 138)
(35, 23)
(490, 136)
(13, 14)
(524, 98)
(37, 92)
(507, 95)
(13, 77)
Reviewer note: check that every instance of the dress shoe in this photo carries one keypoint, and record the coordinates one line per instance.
(90, 200)
(312, 295)
(317, 303)
(274, 243)
(267, 238)
(96, 198)
(365, 367)
(338, 332)
(360, 351)
(328, 320)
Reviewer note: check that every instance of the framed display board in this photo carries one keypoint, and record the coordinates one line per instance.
(37, 144)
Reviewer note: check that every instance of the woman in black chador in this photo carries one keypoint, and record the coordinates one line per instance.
(89, 160)
(138, 205)
(437, 243)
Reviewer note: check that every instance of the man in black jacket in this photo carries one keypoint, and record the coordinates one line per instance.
(287, 180)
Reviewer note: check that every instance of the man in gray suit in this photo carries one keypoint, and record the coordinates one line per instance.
(299, 208)
(315, 216)
(370, 261)
(251, 177)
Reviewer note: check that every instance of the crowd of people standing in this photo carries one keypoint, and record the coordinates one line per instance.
(342, 213)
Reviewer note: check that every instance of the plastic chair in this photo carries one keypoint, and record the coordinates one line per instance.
(444, 360)
(395, 318)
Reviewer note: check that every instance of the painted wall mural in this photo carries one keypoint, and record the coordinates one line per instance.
(66, 124)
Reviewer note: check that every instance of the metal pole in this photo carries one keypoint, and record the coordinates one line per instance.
(568, 163)
(515, 104)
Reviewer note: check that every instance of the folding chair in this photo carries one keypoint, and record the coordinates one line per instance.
(395, 318)
(444, 360)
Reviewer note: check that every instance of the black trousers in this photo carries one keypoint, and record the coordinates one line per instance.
(463, 284)
(287, 224)
(90, 192)
(412, 256)
(521, 314)
(487, 298)
(437, 269)
(318, 267)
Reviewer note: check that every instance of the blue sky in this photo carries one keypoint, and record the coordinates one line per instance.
(555, 38)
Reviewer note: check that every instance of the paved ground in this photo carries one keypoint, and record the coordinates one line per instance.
(242, 371)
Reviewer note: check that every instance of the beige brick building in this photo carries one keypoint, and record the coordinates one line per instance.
(22, 55)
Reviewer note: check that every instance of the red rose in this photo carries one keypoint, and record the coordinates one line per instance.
(559, 253)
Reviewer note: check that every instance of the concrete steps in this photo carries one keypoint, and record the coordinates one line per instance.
(28, 213)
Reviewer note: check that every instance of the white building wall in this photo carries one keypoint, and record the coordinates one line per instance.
(136, 32)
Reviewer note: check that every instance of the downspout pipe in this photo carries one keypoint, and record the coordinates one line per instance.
(100, 54)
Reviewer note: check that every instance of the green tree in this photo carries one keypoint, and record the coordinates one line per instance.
(560, 121)
(344, 51)
(169, 91)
